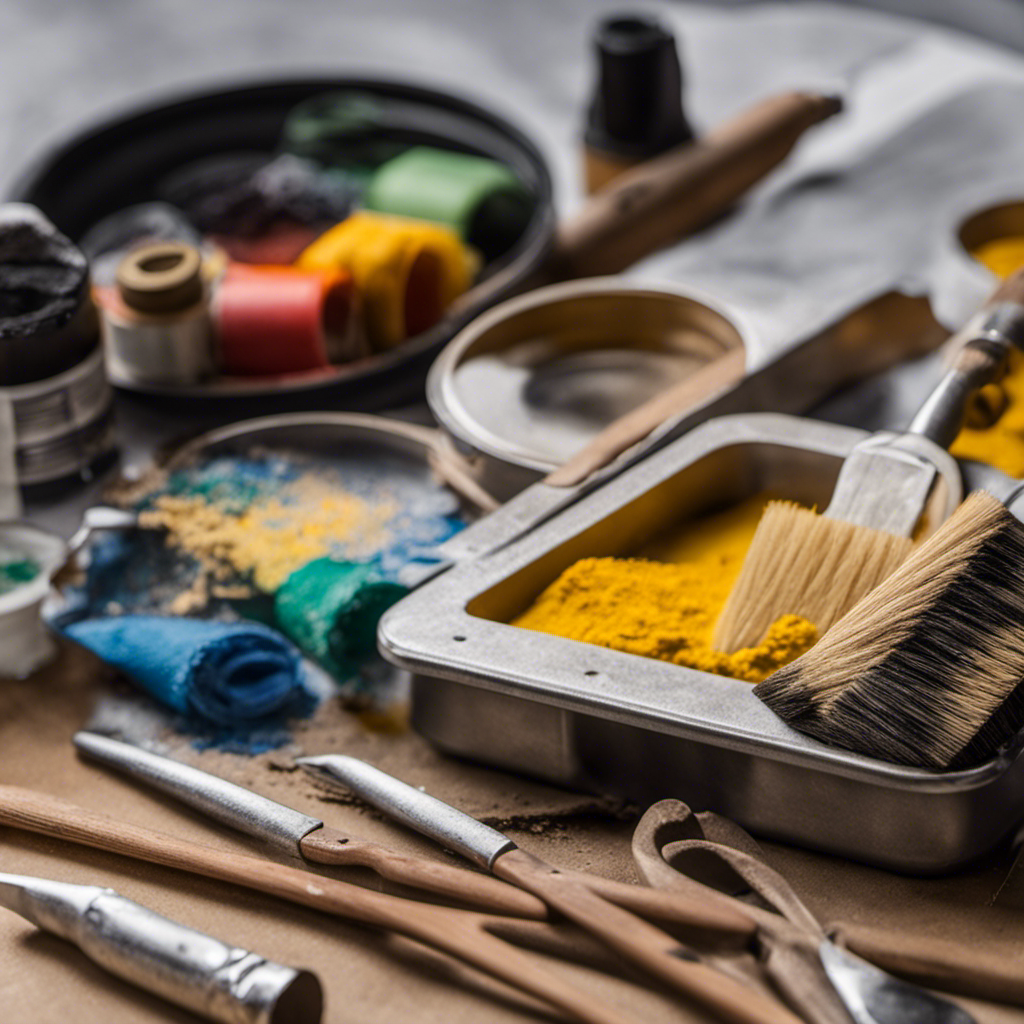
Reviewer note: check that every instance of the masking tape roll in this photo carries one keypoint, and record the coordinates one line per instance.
(407, 272)
(274, 320)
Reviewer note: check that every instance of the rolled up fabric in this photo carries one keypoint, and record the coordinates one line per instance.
(331, 608)
(407, 272)
(230, 673)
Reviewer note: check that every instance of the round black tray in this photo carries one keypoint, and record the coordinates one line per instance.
(117, 163)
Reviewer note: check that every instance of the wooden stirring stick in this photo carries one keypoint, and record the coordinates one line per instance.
(462, 934)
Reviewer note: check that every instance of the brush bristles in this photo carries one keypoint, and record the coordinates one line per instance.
(926, 670)
(801, 563)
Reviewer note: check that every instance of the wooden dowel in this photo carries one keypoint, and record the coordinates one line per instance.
(642, 944)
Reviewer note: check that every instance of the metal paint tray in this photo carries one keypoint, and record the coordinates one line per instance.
(592, 718)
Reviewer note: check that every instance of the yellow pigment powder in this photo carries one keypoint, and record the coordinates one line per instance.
(1001, 444)
(275, 535)
(667, 609)
(1001, 255)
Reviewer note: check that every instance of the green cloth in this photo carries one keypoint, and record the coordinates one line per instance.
(330, 610)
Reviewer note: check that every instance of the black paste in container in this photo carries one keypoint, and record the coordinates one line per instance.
(47, 319)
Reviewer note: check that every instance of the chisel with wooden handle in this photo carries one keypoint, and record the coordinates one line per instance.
(463, 934)
(301, 835)
(571, 894)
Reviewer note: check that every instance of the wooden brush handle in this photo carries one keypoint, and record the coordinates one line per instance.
(460, 933)
(642, 944)
(329, 846)
(674, 194)
(936, 963)
(700, 387)
(1010, 290)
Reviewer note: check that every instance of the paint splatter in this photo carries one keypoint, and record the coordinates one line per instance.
(223, 534)
(16, 569)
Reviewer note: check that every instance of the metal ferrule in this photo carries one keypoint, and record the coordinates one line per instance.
(1001, 323)
(186, 967)
(942, 416)
(233, 805)
(452, 828)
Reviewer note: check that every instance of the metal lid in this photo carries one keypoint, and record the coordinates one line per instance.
(531, 381)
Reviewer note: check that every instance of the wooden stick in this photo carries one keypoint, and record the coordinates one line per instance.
(937, 963)
(672, 195)
(641, 943)
(702, 386)
(330, 846)
(462, 934)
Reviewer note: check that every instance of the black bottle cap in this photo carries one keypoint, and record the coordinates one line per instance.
(637, 107)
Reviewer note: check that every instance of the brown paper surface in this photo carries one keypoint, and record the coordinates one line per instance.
(368, 976)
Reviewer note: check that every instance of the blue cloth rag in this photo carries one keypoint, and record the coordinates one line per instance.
(231, 673)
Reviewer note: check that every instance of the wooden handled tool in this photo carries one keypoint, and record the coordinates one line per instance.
(661, 200)
(674, 194)
(301, 835)
(631, 937)
(462, 934)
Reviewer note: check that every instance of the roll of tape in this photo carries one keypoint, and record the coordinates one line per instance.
(274, 320)
(407, 272)
(480, 199)
(169, 350)
(156, 325)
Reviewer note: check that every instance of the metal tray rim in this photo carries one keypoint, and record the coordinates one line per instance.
(788, 746)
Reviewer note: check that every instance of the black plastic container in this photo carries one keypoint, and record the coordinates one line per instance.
(118, 162)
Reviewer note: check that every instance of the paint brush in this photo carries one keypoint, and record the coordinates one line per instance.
(928, 669)
(800, 563)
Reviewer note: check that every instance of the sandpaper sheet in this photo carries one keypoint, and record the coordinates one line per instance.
(370, 977)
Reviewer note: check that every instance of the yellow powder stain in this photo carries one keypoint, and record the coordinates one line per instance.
(274, 536)
(667, 609)
(1001, 255)
(1001, 444)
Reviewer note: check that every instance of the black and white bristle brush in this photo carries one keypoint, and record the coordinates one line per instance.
(800, 563)
(927, 669)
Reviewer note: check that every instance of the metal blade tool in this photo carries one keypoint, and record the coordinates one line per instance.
(570, 893)
(309, 839)
(300, 835)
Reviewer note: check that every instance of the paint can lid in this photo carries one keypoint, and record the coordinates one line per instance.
(161, 278)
